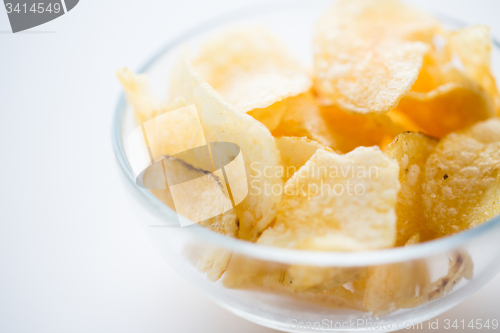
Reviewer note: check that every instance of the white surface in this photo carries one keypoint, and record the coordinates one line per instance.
(72, 257)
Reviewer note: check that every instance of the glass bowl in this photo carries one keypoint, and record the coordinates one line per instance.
(456, 266)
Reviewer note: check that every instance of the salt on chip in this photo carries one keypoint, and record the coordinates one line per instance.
(222, 123)
(473, 46)
(462, 184)
(295, 152)
(250, 68)
(411, 151)
(338, 203)
(368, 53)
(450, 107)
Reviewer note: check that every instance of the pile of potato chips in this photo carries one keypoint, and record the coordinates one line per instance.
(397, 109)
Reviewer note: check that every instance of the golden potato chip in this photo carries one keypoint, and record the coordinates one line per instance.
(368, 54)
(402, 123)
(295, 152)
(271, 116)
(411, 151)
(450, 107)
(387, 286)
(338, 202)
(146, 105)
(302, 117)
(462, 184)
(222, 123)
(250, 68)
(354, 130)
(437, 70)
(473, 46)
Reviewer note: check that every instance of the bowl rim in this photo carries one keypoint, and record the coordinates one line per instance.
(277, 254)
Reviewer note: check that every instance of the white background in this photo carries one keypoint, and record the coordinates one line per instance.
(72, 256)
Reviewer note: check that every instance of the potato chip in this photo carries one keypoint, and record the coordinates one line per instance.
(146, 105)
(222, 123)
(338, 202)
(402, 123)
(272, 115)
(437, 70)
(450, 107)
(303, 118)
(250, 68)
(354, 130)
(369, 53)
(462, 184)
(387, 286)
(295, 152)
(473, 46)
(411, 151)
(170, 127)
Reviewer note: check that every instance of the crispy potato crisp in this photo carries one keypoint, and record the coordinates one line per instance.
(303, 118)
(369, 53)
(222, 123)
(250, 68)
(411, 150)
(473, 46)
(295, 152)
(338, 203)
(448, 108)
(353, 130)
(461, 184)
